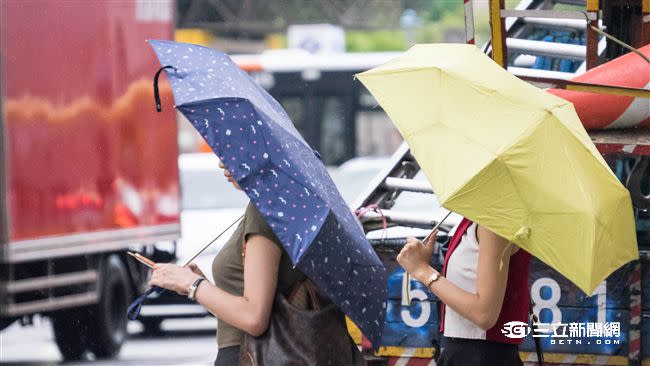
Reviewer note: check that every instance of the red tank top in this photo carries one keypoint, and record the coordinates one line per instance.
(517, 296)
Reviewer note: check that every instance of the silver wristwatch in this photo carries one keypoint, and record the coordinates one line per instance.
(191, 294)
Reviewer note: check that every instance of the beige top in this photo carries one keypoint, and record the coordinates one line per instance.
(228, 269)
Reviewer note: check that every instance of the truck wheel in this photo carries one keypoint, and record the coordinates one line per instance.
(71, 333)
(108, 317)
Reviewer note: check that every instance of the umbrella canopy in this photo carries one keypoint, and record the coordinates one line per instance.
(255, 139)
(510, 157)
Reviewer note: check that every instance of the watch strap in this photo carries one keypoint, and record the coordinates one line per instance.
(191, 294)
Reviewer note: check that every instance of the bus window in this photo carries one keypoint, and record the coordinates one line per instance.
(332, 130)
(376, 134)
(295, 108)
(321, 121)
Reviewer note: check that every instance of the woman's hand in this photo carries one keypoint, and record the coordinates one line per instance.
(415, 257)
(252, 311)
(173, 277)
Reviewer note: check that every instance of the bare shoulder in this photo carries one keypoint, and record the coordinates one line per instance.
(487, 237)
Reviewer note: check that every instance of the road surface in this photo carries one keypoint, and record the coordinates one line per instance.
(182, 342)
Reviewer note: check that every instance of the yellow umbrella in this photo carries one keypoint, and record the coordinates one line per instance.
(510, 157)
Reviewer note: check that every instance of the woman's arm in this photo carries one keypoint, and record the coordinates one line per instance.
(482, 307)
(251, 312)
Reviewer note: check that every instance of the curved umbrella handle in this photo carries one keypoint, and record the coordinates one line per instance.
(156, 93)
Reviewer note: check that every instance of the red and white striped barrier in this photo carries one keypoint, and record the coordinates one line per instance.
(606, 111)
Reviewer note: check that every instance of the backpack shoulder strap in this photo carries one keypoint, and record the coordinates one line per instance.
(455, 240)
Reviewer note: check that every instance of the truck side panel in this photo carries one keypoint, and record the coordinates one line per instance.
(86, 149)
(4, 217)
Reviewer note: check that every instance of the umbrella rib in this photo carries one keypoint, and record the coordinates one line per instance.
(526, 132)
(262, 113)
(261, 90)
(477, 143)
(481, 88)
(299, 181)
(607, 170)
(371, 73)
(263, 133)
(505, 166)
(573, 135)
(595, 218)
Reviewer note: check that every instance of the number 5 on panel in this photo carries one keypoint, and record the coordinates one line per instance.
(419, 294)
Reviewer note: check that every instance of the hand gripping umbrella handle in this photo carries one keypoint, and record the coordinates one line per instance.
(133, 311)
(408, 276)
(156, 92)
(212, 241)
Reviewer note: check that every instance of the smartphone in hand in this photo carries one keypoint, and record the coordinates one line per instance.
(142, 259)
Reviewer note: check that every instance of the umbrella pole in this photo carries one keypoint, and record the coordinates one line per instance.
(408, 276)
(213, 240)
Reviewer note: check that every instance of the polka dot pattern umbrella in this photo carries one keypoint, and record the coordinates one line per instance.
(255, 139)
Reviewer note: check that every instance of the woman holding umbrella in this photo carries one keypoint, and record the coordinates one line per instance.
(518, 162)
(294, 203)
(485, 286)
(245, 285)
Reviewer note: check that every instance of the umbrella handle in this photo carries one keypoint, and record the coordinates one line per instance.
(156, 93)
(133, 312)
(212, 241)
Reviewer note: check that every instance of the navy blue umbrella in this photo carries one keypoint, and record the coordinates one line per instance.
(254, 137)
